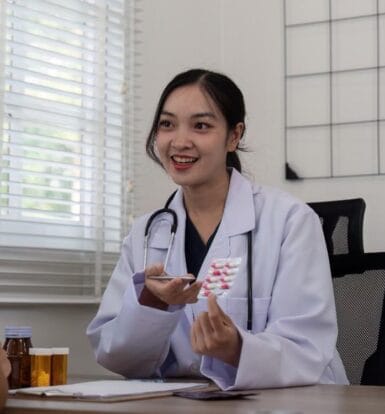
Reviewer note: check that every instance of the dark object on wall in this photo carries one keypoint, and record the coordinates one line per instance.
(290, 174)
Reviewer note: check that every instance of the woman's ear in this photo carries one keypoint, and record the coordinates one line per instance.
(235, 136)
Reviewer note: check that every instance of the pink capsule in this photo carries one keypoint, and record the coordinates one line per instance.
(226, 278)
(229, 271)
(217, 265)
(211, 286)
(231, 264)
(212, 279)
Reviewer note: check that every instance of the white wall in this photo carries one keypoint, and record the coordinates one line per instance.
(245, 40)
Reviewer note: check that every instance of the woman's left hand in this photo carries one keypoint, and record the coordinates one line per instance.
(214, 334)
(5, 365)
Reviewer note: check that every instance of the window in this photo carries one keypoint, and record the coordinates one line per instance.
(65, 146)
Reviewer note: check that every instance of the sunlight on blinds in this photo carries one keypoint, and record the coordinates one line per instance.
(64, 159)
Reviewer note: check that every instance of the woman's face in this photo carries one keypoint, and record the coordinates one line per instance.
(193, 139)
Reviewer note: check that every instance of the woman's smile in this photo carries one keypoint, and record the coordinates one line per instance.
(183, 162)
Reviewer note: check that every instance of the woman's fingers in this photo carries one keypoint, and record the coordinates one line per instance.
(5, 365)
(197, 334)
(192, 292)
(214, 334)
(176, 291)
(154, 270)
(217, 317)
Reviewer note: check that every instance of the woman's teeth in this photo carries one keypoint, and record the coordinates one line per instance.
(183, 159)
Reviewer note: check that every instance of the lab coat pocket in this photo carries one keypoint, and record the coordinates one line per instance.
(157, 245)
(260, 312)
(236, 309)
(159, 240)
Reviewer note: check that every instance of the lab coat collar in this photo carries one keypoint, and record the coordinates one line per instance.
(239, 213)
(238, 218)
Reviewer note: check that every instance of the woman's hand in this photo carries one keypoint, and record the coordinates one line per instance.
(5, 370)
(214, 334)
(161, 293)
(5, 365)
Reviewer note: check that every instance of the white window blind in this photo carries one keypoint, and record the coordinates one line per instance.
(65, 149)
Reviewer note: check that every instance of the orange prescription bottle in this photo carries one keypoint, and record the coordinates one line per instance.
(40, 366)
(59, 366)
(17, 343)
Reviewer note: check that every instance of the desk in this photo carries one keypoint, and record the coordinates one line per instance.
(317, 399)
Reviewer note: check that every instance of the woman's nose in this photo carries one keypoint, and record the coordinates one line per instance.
(181, 139)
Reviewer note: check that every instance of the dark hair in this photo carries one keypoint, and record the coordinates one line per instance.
(221, 89)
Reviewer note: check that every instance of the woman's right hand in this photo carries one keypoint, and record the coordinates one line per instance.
(167, 292)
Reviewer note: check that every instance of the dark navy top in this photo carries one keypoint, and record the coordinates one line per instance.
(195, 249)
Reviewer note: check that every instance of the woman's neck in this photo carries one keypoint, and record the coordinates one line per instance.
(205, 205)
(206, 198)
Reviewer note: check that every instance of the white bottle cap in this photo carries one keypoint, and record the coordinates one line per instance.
(40, 351)
(60, 351)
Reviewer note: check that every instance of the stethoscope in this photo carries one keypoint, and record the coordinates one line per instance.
(173, 229)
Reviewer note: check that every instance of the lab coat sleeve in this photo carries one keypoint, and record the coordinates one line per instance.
(299, 339)
(128, 338)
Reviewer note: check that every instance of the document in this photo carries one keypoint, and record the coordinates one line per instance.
(112, 390)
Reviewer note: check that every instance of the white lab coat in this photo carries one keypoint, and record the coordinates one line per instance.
(293, 341)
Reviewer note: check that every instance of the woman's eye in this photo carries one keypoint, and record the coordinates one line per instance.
(202, 125)
(164, 123)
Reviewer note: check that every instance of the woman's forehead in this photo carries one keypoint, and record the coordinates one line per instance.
(190, 99)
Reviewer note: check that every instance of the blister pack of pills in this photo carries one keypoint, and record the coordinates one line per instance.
(220, 276)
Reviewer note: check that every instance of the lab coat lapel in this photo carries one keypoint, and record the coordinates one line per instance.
(239, 213)
(238, 218)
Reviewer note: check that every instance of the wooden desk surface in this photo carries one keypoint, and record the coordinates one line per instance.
(317, 399)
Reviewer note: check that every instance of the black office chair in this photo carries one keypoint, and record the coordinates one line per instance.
(374, 368)
(359, 286)
(361, 314)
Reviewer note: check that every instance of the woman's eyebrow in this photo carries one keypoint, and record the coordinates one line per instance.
(197, 115)
(204, 114)
(167, 113)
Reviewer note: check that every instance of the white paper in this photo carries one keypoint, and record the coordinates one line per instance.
(110, 388)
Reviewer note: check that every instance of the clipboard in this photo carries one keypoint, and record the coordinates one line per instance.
(110, 390)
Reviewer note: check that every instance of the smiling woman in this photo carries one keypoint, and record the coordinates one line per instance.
(150, 326)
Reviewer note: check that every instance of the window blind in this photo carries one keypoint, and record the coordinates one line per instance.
(66, 148)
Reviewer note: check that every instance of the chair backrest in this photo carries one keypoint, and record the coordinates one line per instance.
(342, 223)
(359, 288)
(361, 318)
